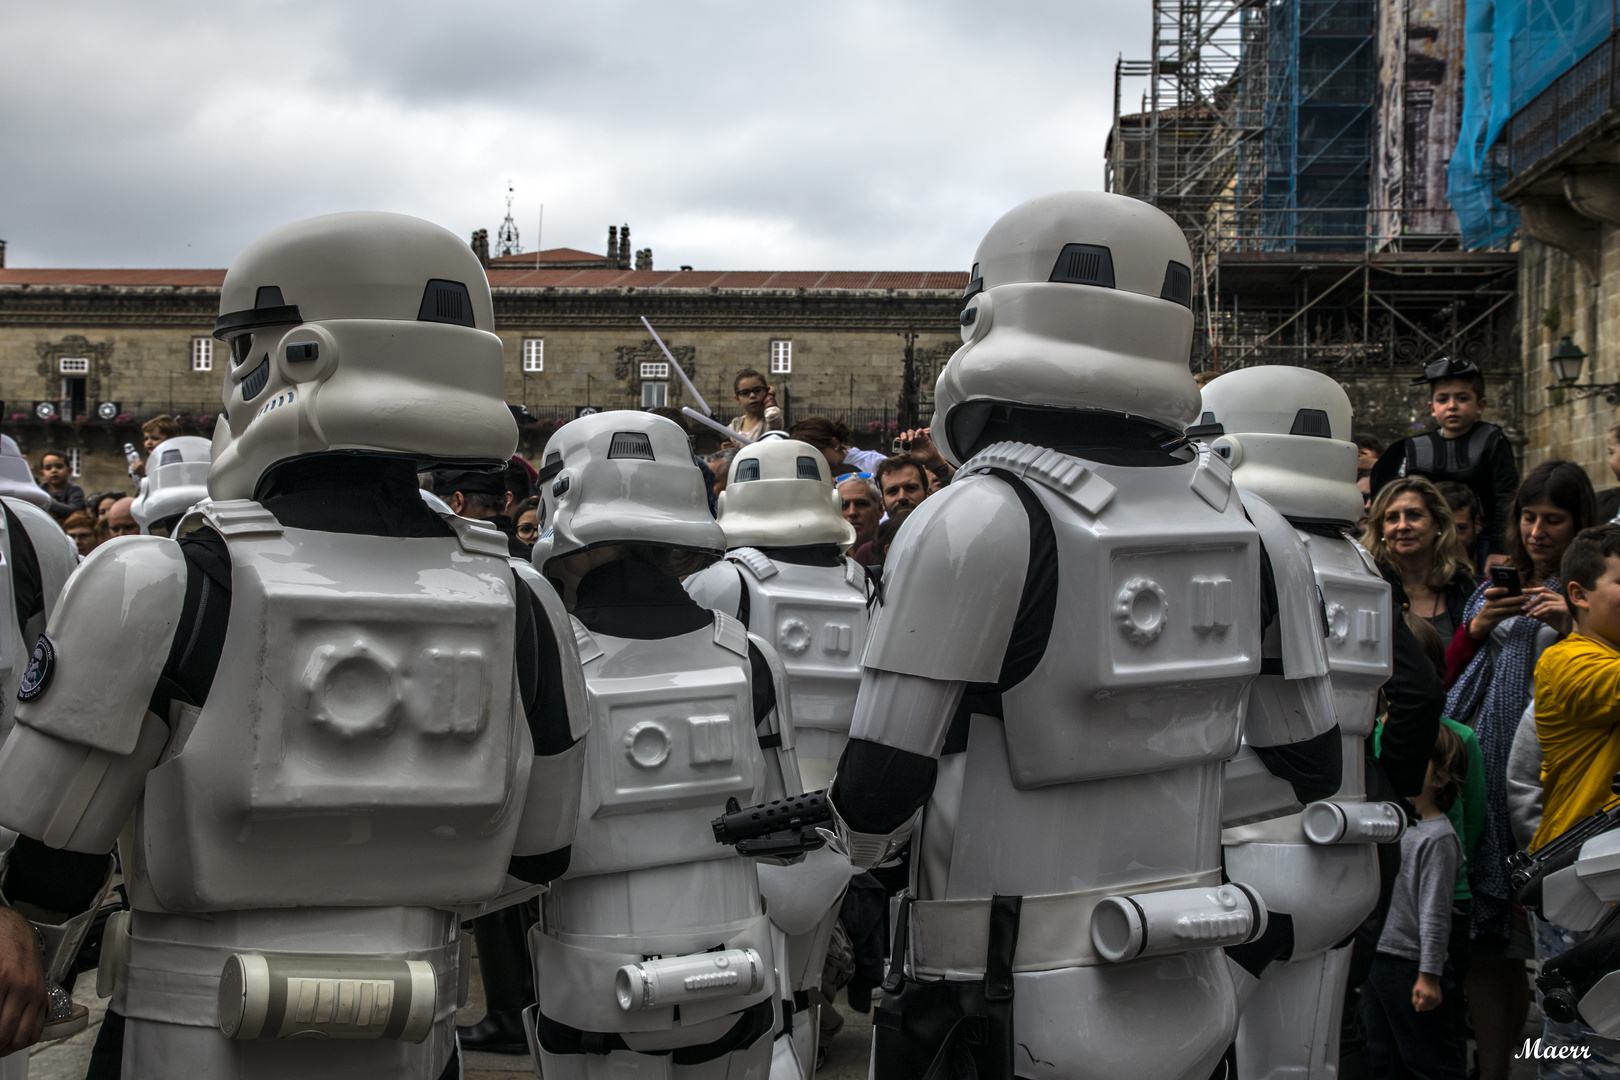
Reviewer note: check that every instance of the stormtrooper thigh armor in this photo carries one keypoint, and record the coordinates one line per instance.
(1101, 776)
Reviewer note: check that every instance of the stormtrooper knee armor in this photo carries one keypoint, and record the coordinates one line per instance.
(38, 557)
(787, 576)
(324, 723)
(176, 480)
(1286, 433)
(655, 956)
(1058, 674)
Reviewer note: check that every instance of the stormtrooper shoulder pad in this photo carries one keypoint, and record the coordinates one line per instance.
(952, 583)
(1299, 602)
(54, 549)
(562, 631)
(716, 587)
(93, 671)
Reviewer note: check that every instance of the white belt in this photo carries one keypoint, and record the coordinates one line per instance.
(1288, 829)
(1054, 930)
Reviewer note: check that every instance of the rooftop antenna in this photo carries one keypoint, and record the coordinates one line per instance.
(507, 238)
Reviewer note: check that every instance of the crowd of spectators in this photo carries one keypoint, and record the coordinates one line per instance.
(1511, 586)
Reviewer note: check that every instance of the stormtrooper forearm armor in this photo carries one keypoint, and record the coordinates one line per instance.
(75, 764)
(887, 771)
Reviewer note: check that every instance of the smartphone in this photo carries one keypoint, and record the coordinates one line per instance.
(900, 446)
(1507, 577)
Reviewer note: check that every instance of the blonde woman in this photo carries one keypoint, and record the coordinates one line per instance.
(1413, 538)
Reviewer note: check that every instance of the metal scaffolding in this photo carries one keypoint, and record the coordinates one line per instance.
(1255, 132)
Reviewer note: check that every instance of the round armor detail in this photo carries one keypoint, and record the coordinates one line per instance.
(1142, 611)
(1338, 620)
(794, 636)
(647, 744)
(353, 691)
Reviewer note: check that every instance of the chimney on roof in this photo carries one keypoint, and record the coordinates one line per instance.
(480, 246)
(613, 245)
(2, 254)
(624, 247)
(644, 259)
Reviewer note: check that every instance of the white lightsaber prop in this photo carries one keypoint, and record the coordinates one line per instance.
(676, 364)
(717, 425)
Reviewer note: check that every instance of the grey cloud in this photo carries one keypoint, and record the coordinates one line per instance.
(730, 135)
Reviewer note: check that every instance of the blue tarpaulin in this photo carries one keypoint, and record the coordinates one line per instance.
(1513, 50)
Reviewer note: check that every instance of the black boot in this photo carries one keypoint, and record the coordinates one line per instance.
(503, 960)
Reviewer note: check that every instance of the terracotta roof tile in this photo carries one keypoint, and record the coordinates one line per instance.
(112, 277)
(562, 254)
(512, 277)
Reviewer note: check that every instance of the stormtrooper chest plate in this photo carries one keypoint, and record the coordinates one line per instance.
(816, 617)
(1155, 630)
(1359, 609)
(360, 727)
(672, 738)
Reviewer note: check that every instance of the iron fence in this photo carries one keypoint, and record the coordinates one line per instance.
(1575, 101)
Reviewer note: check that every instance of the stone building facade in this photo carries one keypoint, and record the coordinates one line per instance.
(87, 355)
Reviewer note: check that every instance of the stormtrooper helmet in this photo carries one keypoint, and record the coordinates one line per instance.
(176, 480)
(779, 493)
(1079, 302)
(1286, 433)
(363, 333)
(622, 478)
(16, 478)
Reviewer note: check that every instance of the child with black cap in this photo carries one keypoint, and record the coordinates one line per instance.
(1463, 448)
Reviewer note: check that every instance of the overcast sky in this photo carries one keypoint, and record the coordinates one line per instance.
(736, 136)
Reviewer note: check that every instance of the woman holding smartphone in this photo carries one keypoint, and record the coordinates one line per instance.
(1507, 623)
(758, 400)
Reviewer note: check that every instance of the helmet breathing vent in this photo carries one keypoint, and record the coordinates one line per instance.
(808, 469)
(1312, 422)
(747, 469)
(1177, 285)
(446, 302)
(1085, 264)
(172, 457)
(254, 383)
(631, 444)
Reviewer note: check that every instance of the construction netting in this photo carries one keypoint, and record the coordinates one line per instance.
(1513, 50)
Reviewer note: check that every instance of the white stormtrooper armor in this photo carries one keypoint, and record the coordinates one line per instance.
(376, 749)
(786, 575)
(176, 480)
(654, 956)
(1286, 433)
(1059, 671)
(36, 557)
(16, 478)
(1583, 983)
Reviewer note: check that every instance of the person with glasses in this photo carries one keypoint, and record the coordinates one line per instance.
(758, 399)
(1462, 448)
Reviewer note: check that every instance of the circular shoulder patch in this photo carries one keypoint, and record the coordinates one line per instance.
(40, 668)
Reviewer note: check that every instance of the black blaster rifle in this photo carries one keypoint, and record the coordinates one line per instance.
(780, 827)
(1527, 872)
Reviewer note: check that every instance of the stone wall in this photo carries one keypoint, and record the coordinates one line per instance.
(847, 353)
(1559, 297)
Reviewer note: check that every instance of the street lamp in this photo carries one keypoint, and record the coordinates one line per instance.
(1566, 361)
